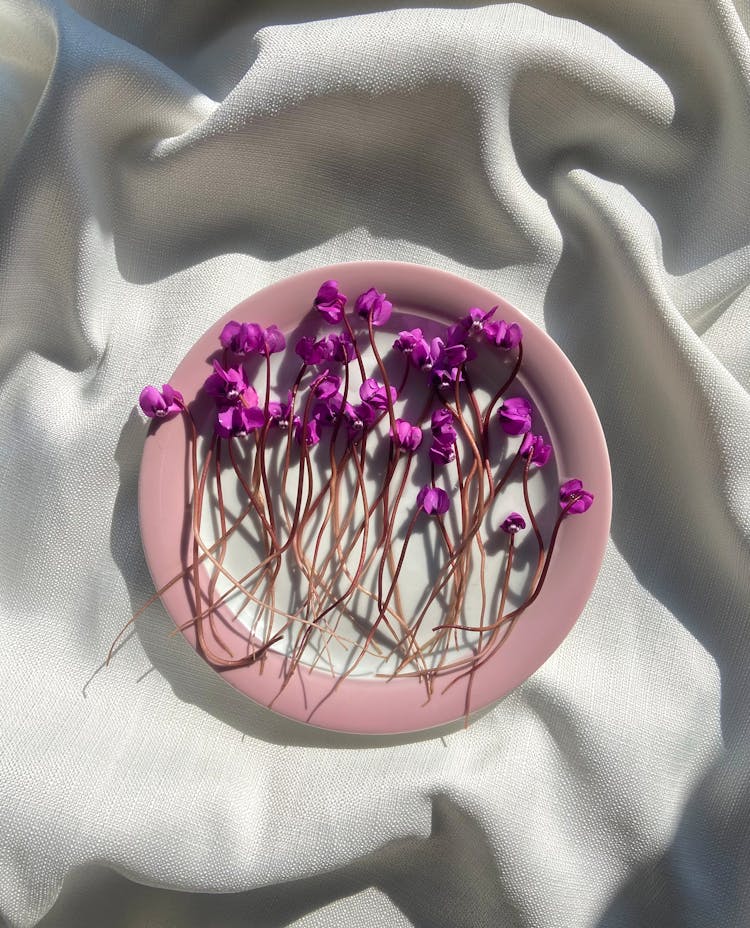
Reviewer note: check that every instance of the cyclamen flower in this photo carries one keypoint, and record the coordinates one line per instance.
(311, 431)
(533, 446)
(278, 413)
(442, 450)
(273, 340)
(160, 404)
(238, 420)
(242, 337)
(325, 385)
(513, 523)
(374, 306)
(328, 410)
(229, 386)
(373, 393)
(477, 320)
(366, 415)
(515, 415)
(314, 352)
(503, 335)
(574, 498)
(406, 435)
(330, 302)
(433, 500)
(342, 347)
(408, 340)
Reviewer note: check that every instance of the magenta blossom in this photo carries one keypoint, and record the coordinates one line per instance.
(408, 340)
(328, 410)
(533, 446)
(406, 436)
(442, 426)
(278, 413)
(441, 454)
(242, 337)
(311, 431)
(433, 500)
(477, 320)
(342, 347)
(273, 340)
(314, 352)
(373, 393)
(325, 385)
(374, 306)
(366, 415)
(515, 415)
(513, 523)
(238, 420)
(229, 386)
(160, 404)
(503, 335)
(330, 302)
(573, 498)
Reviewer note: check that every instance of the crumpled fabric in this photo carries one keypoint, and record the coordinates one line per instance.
(587, 161)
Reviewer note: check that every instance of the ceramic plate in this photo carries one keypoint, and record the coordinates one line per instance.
(325, 690)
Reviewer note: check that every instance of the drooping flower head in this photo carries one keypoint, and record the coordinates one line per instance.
(160, 404)
(513, 523)
(242, 337)
(374, 306)
(406, 436)
(574, 498)
(515, 415)
(314, 352)
(310, 434)
(533, 446)
(503, 334)
(238, 420)
(433, 500)
(373, 393)
(408, 340)
(273, 340)
(342, 347)
(278, 413)
(325, 385)
(330, 302)
(229, 386)
(476, 321)
(442, 450)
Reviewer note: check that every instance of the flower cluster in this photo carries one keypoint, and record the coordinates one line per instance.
(451, 447)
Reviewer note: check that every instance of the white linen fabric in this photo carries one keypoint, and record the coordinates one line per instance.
(588, 161)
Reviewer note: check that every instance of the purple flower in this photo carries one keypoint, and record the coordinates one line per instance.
(503, 335)
(373, 305)
(342, 348)
(408, 340)
(238, 420)
(328, 410)
(475, 323)
(273, 340)
(433, 500)
(242, 337)
(441, 454)
(229, 386)
(373, 393)
(325, 385)
(514, 523)
(442, 426)
(574, 498)
(311, 431)
(330, 302)
(406, 435)
(533, 446)
(160, 404)
(515, 415)
(355, 424)
(366, 414)
(313, 352)
(278, 413)
(448, 359)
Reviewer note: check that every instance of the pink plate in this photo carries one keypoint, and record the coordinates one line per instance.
(369, 704)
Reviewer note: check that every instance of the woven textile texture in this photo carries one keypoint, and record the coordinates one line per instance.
(587, 161)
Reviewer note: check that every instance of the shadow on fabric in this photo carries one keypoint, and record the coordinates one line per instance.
(447, 880)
